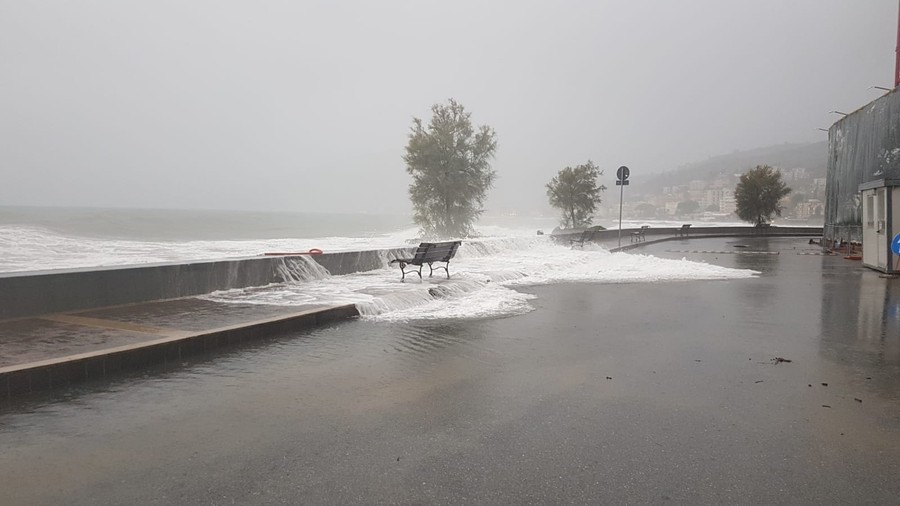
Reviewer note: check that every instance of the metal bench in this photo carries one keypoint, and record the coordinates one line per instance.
(683, 231)
(640, 235)
(588, 235)
(429, 253)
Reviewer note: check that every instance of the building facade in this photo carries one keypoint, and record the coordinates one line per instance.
(863, 147)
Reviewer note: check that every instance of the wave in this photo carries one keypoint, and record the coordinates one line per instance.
(34, 248)
(484, 281)
(485, 273)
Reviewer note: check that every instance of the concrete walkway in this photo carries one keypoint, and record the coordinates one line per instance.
(633, 393)
(58, 349)
(47, 351)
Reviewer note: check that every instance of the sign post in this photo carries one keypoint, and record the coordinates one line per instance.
(895, 248)
(622, 181)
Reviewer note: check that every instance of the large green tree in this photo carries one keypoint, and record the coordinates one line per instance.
(449, 161)
(758, 193)
(575, 192)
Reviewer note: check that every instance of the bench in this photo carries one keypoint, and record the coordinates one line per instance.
(429, 253)
(588, 235)
(640, 235)
(579, 239)
(683, 231)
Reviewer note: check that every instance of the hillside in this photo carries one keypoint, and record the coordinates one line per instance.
(812, 156)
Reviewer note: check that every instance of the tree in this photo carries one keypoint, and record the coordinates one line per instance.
(574, 191)
(758, 194)
(449, 161)
(687, 207)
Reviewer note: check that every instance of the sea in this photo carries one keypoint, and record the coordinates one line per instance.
(508, 253)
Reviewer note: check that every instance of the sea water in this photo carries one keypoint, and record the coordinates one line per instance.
(509, 253)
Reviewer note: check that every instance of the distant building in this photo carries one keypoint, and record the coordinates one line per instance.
(796, 174)
(809, 209)
(721, 198)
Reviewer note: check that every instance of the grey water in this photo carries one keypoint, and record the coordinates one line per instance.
(199, 224)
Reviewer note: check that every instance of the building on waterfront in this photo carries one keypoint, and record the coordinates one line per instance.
(863, 149)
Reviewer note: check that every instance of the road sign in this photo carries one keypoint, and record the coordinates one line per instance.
(895, 245)
(622, 175)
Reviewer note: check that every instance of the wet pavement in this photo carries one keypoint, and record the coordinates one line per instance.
(643, 393)
(54, 336)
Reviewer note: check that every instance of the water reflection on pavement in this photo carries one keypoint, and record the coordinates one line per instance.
(606, 393)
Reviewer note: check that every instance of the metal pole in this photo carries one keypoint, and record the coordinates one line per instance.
(897, 65)
(621, 194)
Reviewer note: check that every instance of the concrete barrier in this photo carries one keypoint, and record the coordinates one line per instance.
(672, 233)
(25, 379)
(36, 293)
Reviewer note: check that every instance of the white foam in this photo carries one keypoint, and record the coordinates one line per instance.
(30, 248)
(485, 272)
(484, 276)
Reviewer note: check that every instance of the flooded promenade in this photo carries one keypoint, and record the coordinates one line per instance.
(631, 393)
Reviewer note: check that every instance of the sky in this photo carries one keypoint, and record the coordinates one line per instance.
(306, 105)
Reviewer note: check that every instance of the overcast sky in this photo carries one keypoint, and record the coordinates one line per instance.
(293, 105)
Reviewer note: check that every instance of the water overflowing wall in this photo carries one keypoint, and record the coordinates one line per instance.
(34, 293)
(862, 147)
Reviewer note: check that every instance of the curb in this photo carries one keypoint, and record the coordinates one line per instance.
(26, 379)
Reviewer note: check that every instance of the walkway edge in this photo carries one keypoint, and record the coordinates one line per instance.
(24, 379)
(636, 245)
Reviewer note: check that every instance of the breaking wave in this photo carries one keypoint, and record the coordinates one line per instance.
(484, 276)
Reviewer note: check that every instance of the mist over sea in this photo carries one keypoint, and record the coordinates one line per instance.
(196, 225)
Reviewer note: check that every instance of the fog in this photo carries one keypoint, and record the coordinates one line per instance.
(305, 106)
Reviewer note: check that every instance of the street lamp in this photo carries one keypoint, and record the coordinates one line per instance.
(839, 112)
(880, 88)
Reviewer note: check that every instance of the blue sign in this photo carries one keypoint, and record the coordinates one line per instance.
(895, 245)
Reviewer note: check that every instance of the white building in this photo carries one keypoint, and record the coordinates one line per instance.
(721, 197)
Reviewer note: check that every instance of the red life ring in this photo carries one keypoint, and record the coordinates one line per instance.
(315, 251)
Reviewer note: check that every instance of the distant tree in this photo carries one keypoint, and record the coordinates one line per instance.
(575, 192)
(758, 194)
(687, 207)
(645, 210)
(713, 208)
(449, 161)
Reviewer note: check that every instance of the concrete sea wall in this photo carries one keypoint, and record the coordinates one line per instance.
(35, 293)
(672, 233)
